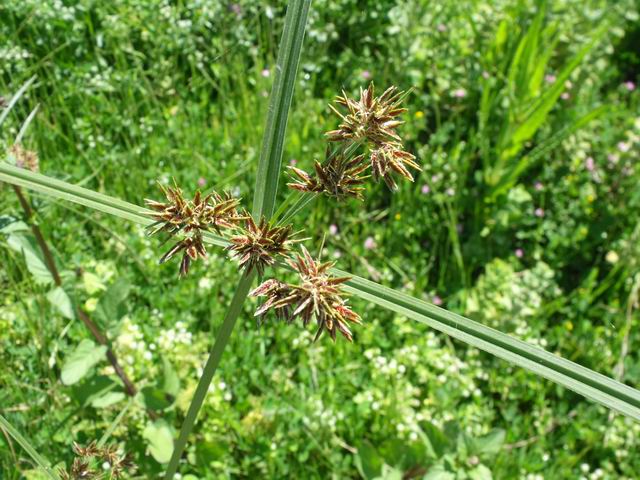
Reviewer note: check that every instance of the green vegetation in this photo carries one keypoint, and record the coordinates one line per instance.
(524, 118)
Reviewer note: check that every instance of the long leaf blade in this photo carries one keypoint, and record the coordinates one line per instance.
(280, 101)
(42, 462)
(586, 382)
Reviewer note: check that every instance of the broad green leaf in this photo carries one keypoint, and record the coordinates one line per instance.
(35, 264)
(159, 440)
(61, 301)
(489, 444)
(108, 399)
(9, 224)
(592, 385)
(86, 355)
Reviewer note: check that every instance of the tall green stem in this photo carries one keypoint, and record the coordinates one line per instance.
(209, 370)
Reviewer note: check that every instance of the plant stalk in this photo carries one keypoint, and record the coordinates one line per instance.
(100, 337)
(222, 339)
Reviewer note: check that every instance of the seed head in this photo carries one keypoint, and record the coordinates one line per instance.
(25, 158)
(391, 158)
(318, 296)
(87, 459)
(191, 218)
(338, 177)
(259, 245)
(371, 117)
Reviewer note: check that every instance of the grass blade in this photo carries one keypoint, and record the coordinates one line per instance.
(42, 462)
(586, 382)
(15, 98)
(66, 191)
(273, 141)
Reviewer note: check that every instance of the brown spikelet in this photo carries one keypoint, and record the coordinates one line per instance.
(339, 177)
(260, 244)
(89, 461)
(192, 218)
(389, 159)
(317, 296)
(371, 117)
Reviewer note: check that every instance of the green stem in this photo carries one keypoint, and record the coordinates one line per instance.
(209, 370)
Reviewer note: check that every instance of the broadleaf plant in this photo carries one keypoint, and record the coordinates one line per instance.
(365, 140)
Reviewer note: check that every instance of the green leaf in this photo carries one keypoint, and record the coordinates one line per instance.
(480, 473)
(108, 399)
(159, 440)
(154, 398)
(92, 283)
(438, 472)
(61, 301)
(490, 444)
(35, 264)
(170, 379)
(84, 357)
(110, 307)
(279, 103)
(83, 196)
(368, 461)
(438, 442)
(93, 388)
(588, 383)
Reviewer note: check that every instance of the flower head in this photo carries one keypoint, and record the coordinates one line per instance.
(191, 218)
(318, 296)
(337, 177)
(371, 117)
(391, 158)
(88, 459)
(25, 158)
(260, 243)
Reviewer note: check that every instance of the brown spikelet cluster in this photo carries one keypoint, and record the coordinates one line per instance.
(372, 118)
(318, 296)
(339, 177)
(191, 218)
(89, 461)
(391, 158)
(259, 244)
(371, 122)
(25, 158)
(3, 102)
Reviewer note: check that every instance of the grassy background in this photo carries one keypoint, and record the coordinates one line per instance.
(525, 217)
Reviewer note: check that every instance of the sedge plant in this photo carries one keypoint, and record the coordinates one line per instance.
(265, 243)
